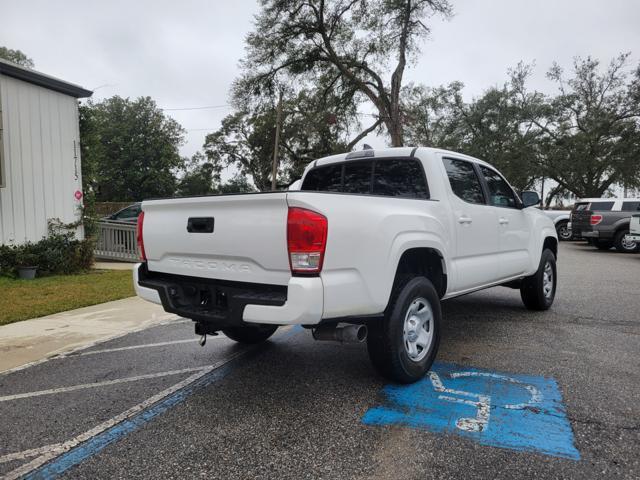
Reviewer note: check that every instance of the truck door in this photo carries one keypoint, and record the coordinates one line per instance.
(513, 227)
(475, 261)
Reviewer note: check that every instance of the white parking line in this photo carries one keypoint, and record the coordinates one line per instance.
(10, 457)
(51, 451)
(144, 345)
(83, 386)
(173, 320)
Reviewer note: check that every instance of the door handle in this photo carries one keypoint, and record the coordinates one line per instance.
(503, 221)
(464, 219)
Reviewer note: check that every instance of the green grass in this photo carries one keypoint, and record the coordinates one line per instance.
(23, 299)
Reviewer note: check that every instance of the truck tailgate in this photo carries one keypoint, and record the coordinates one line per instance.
(581, 221)
(232, 237)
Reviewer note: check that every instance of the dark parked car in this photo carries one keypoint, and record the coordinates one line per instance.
(605, 222)
(128, 214)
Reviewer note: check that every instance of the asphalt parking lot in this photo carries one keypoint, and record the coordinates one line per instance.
(155, 404)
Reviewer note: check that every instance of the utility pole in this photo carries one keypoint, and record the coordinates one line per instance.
(274, 168)
(542, 195)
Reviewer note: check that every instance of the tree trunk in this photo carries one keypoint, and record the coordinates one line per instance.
(396, 130)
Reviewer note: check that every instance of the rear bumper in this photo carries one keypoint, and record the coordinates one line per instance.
(591, 234)
(301, 303)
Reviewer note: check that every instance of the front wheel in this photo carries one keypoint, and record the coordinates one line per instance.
(403, 345)
(563, 231)
(250, 334)
(539, 290)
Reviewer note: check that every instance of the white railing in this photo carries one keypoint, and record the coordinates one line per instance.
(117, 241)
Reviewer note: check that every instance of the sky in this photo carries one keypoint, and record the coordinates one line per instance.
(185, 54)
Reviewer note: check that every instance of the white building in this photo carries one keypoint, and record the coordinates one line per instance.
(40, 176)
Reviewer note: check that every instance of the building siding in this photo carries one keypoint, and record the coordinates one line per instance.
(42, 170)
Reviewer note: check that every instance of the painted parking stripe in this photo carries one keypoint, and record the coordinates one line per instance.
(84, 386)
(95, 440)
(144, 345)
(32, 452)
(171, 320)
(519, 412)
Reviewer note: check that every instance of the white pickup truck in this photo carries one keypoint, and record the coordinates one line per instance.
(634, 229)
(366, 249)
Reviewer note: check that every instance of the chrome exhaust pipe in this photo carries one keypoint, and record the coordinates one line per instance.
(348, 334)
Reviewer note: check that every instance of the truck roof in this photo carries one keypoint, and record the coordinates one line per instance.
(400, 152)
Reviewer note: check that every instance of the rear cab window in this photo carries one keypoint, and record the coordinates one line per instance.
(389, 177)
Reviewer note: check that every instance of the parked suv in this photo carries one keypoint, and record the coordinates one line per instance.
(605, 222)
(367, 249)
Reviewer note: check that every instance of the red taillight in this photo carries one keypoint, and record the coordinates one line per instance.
(595, 219)
(306, 240)
(143, 255)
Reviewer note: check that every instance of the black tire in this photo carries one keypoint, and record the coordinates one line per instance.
(532, 290)
(622, 246)
(250, 334)
(386, 344)
(564, 234)
(602, 244)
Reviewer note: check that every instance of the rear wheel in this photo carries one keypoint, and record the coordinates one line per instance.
(403, 345)
(622, 244)
(250, 334)
(562, 229)
(602, 244)
(539, 290)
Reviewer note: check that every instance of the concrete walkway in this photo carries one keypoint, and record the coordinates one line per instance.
(29, 341)
(113, 266)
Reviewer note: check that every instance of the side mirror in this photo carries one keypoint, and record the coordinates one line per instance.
(530, 198)
(295, 185)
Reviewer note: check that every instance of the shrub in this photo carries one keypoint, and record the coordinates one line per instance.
(58, 253)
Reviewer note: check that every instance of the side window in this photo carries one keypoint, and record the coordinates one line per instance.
(630, 206)
(357, 177)
(464, 181)
(500, 193)
(601, 206)
(324, 179)
(399, 178)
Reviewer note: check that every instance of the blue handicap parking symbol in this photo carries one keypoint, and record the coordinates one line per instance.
(521, 412)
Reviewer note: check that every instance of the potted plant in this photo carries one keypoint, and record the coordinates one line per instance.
(26, 264)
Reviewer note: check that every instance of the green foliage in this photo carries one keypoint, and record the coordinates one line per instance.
(58, 253)
(488, 127)
(348, 41)
(237, 184)
(16, 56)
(589, 133)
(310, 129)
(586, 138)
(201, 177)
(129, 149)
